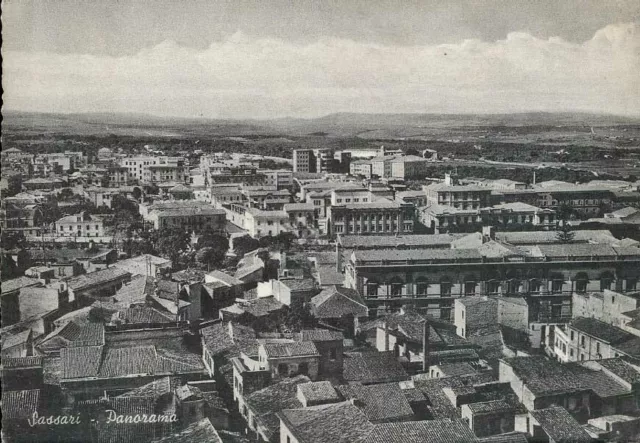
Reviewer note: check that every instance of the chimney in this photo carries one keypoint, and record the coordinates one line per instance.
(488, 234)
(533, 182)
(425, 347)
(447, 179)
(386, 336)
(338, 257)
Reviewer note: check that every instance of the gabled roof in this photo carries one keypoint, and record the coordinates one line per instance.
(154, 389)
(319, 391)
(622, 369)
(339, 422)
(560, 426)
(379, 402)
(267, 402)
(86, 281)
(292, 349)
(18, 283)
(225, 278)
(19, 404)
(440, 431)
(199, 431)
(17, 339)
(337, 301)
(373, 367)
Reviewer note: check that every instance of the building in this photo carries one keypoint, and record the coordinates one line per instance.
(457, 196)
(313, 160)
(508, 216)
(360, 168)
(146, 264)
(195, 219)
(590, 339)
(278, 178)
(381, 216)
(430, 278)
(80, 225)
(259, 223)
(409, 167)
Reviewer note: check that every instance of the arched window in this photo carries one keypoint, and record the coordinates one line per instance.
(557, 282)
(535, 286)
(421, 286)
(513, 282)
(396, 285)
(582, 280)
(445, 287)
(606, 280)
(372, 288)
(470, 285)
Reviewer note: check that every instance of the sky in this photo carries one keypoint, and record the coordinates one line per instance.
(269, 59)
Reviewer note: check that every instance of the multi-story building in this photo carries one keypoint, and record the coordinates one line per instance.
(457, 196)
(45, 164)
(369, 218)
(27, 219)
(506, 216)
(194, 219)
(360, 168)
(278, 178)
(259, 223)
(409, 167)
(225, 195)
(547, 274)
(302, 160)
(267, 199)
(313, 160)
(152, 169)
(118, 176)
(80, 225)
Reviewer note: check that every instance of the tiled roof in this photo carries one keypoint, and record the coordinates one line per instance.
(299, 284)
(21, 362)
(491, 407)
(417, 254)
(597, 381)
(320, 335)
(560, 426)
(293, 349)
(219, 342)
(17, 339)
(19, 404)
(373, 367)
(622, 369)
(339, 422)
(79, 362)
(440, 431)
(319, 391)
(94, 278)
(200, 431)
(128, 361)
(154, 389)
(17, 283)
(143, 315)
(392, 241)
(601, 330)
(457, 368)
(328, 275)
(379, 402)
(337, 301)
(73, 334)
(511, 437)
(267, 402)
(259, 307)
(225, 278)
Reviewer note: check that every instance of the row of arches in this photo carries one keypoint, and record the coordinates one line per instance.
(493, 285)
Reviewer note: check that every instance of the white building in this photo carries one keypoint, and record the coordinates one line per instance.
(80, 225)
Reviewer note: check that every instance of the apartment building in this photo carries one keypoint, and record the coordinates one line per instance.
(80, 225)
(381, 216)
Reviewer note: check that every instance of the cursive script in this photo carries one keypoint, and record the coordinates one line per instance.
(114, 417)
(53, 420)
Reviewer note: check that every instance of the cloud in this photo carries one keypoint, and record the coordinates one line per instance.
(262, 78)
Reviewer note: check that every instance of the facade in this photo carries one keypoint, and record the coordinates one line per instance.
(433, 278)
(507, 216)
(258, 223)
(302, 160)
(152, 169)
(379, 217)
(194, 219)
(279, 178)
(80, 225)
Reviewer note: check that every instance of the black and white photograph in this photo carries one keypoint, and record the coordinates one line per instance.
(320, 221)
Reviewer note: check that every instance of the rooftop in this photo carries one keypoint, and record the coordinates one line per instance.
(86, 281)
(379, 402)
(373, 367)
(19, 404)
(559, 425)
(319, 391)
(336, 301)
(338, 422)
(291, 349)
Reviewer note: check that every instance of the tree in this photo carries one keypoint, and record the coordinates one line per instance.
(413, 151)
(565, 234)
(298, 318)
(244, 244)
(171, 242)
(564, 211)
(213, 250)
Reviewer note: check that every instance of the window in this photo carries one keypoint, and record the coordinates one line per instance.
(598, 347)
(462, 314)
(582, 341)
(421, 287)
(303, 368)
(581, 283)
(445, 287)
(333, 354)
(283, 369)
(572, 335)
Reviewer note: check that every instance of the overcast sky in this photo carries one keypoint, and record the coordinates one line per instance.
(263, 59)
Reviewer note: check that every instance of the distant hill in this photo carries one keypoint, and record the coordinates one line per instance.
(339, 124)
